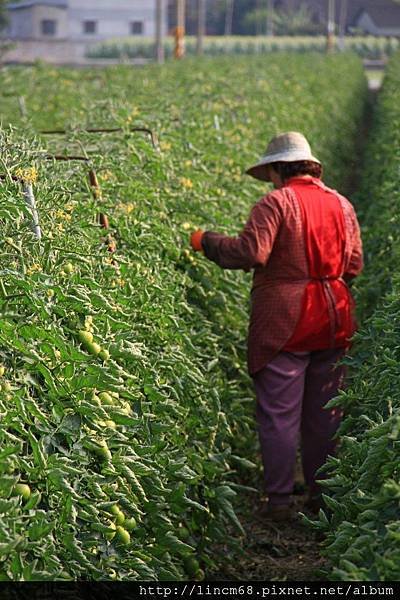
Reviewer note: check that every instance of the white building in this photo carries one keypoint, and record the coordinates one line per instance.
(81, 20)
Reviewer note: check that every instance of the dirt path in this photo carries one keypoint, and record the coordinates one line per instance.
(286, 551)
(271, 551)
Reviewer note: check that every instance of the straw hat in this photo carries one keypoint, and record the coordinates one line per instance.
(286, 147)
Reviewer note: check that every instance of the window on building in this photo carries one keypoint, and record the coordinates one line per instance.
(90, 27)
(48, 27)
(137, 28)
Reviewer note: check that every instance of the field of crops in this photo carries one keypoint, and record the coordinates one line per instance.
(369, 47)
(127, 426)
(363, 534)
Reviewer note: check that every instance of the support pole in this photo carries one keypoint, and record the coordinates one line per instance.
(160, 31)
(180, 29)
(258, 20)
(201, 25)
(270, 18)
(330, 41)
(342, 23)
(229, 17)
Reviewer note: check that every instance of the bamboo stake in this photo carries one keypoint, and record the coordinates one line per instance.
(22, 107)
(31, 202)
(201, 25)
(160, 31)
(27, 189)
(152, 135)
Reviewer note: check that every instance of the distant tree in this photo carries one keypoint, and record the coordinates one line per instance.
(286, 21)
(3, 14)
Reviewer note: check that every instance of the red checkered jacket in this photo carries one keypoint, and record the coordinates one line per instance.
(273, 244)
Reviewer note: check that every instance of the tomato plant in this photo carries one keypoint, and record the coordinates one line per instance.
(363, 488)
(128, 412)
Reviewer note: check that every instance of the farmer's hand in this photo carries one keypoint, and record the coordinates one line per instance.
(195, 240)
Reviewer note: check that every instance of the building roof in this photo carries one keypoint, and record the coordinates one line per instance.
(29, 3)
(384, 13)
(382, 16)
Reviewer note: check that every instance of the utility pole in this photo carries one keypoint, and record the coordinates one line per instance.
(180, 29)
(270, 18)
(342, 23)
(330, 26)
(229, 17)
(201, 25)
(160, 31)
(258, 20)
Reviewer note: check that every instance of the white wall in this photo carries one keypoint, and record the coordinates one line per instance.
(25, 23)
(112, 22)
(50, 13)
(20, 24)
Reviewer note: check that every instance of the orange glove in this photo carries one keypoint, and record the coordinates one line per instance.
(195, 240)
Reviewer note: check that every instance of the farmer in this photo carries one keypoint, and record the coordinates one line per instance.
(303, 242)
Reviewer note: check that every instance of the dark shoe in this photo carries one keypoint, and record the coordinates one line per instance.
(314, 503)
(278, 513)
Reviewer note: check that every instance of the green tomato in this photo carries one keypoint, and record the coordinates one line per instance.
(2, 370)
(130, 524)
(104, 355)
(93, 348)
(103, 451)
(122, 536)
(85, 337)
(199, 575)
(68, 268)
(183, 533)
(110, 535)
(106, 398)
(22, 489)
(191, 565)
(118, 514)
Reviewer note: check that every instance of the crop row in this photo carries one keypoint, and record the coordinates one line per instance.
(369, 47)
(126, 411)
(363, 532)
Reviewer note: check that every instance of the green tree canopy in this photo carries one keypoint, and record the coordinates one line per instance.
(286, 21)
(3, 14)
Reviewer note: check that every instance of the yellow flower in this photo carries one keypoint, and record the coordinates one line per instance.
(106, 175)
(165, 146)
(35, 267)
(126, 208)
(29, 175)
(186, 183)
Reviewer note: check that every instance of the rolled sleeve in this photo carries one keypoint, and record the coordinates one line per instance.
(252, 247)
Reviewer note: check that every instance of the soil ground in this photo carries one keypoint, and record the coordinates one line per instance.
(272, 551)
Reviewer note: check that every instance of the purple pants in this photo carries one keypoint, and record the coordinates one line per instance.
(291, 392)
